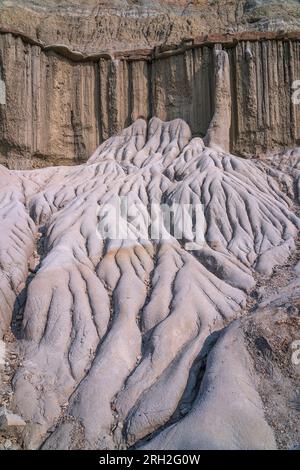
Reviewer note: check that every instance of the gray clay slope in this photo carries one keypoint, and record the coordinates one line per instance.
(111, 330)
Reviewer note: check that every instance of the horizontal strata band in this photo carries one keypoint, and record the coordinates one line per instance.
(227, 40)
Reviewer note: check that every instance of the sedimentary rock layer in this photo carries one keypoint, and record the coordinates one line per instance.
(56, 111)
(114, 331)
(90, 26)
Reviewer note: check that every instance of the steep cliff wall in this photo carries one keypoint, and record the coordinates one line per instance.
(263, 114)
(60, 105)
(50, 111)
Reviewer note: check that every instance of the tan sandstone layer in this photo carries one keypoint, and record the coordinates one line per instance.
(90, 26)
(59, 107)
(112, 342)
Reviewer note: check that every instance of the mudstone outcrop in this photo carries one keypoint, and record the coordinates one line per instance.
(72, 76)
(142, 342)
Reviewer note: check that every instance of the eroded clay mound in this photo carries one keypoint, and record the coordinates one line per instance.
(112, 330)
(249, 378)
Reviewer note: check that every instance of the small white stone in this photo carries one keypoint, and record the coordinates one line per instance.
(9, 420)
(2, 353)
(7, 444)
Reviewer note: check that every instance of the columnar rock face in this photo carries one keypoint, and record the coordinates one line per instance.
(58, 110)
(51, 112)
(263, 113)
(218, 133)
(115, 332)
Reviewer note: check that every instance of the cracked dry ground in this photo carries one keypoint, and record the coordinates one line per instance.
(146, 345)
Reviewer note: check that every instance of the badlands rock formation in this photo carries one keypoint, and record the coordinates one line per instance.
(58, 110)
(72, 76)
(91, 26)
(142, 342)
(149, 341)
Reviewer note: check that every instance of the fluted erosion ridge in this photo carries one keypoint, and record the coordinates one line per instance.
(57, 106)
(124, 343)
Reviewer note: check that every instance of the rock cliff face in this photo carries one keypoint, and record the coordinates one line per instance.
(59, 106)
(112, 335)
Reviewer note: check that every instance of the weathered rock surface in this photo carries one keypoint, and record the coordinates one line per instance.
(249, 380)
(141, 342)
(58, 109)
(115, 333)
(10, 420)
(92, 26)
(228, 412)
